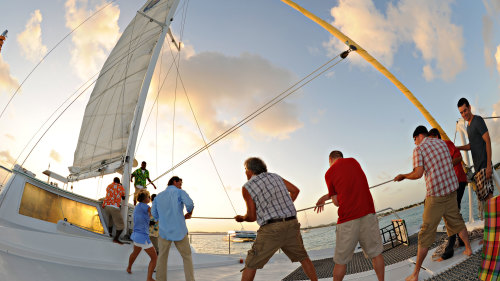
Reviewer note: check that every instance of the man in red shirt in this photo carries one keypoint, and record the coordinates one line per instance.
(348, 188)
(462, 183)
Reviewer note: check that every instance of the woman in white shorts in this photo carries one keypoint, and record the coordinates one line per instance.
(140, 235)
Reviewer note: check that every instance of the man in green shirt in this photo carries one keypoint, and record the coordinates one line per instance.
(140, 175)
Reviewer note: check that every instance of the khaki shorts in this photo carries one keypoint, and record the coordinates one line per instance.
(435, 208)
(116, 217)
(271, 237)
(137, 191)
(364, 230)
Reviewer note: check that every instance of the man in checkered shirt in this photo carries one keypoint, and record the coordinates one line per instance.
(269, 199)
(432, 158)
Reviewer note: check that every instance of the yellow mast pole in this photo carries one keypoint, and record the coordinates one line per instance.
(364, 54)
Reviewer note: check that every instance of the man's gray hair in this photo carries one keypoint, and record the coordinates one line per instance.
(336, 154)
(255, 165)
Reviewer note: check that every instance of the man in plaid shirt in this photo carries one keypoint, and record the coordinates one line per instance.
(432, 158)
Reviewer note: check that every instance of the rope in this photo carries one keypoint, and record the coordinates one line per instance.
(257, 112)
(301, 210)
(52, 49)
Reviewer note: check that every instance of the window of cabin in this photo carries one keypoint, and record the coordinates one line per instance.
(41, 204)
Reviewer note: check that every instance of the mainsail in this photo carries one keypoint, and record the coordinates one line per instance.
(107, 123)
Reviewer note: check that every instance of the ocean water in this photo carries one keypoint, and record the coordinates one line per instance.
(318, 238)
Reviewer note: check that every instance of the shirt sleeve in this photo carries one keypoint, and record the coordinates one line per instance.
(187, 201)
(418, 160)
(331, 188)
(154, 210)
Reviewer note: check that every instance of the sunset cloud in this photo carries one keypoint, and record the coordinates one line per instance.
(55, 156)
(94, 39)
(8, 82)
(224, 89)
(425, 24)
(30, 40)
(488, 32)
(6, 158)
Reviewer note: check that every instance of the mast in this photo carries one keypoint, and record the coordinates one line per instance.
(132, 141)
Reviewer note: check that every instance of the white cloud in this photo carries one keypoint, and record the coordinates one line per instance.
(497, 58)
(11, 137)
(94, 39)
(55, 156)
(224, 89)
(494, 126)
(5, 157)
(30, 40)
(426, 24)
(7, 81)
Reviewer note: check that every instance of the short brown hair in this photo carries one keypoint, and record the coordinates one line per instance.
(336, 154)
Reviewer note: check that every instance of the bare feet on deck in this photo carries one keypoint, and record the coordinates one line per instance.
(440, 260)
(151, 279)
(468, 251)
(129, 270)
(118, 242)
(412, 277)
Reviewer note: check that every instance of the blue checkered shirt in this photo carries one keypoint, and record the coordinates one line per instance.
(271, 197)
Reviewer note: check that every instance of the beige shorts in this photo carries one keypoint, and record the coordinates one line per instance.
(116, 217)
(435, 208)
(364, 230)
(271, 237)
(138, 190)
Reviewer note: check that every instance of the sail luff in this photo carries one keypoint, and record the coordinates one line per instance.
(364, 54)
(129, 159)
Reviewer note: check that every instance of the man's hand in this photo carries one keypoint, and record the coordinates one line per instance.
(320, 205)
(489, 171)
(131, 179)
(399, 177)
(239, 218)
(188, 216)
(154, 185)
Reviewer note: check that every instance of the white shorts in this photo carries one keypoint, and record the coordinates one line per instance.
(144, 246)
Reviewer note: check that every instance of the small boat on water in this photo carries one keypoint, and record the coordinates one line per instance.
(241, 236)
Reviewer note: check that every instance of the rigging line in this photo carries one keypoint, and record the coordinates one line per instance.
(250, 117)
(44, 57)
(39, 129)
(184, 17)
(173, 122)
(492, 117)
(118, 60)
(151, 110)
(84, 90)
(230, 130)
(201, 134)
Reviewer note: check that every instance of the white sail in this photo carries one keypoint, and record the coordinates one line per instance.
(106, 125)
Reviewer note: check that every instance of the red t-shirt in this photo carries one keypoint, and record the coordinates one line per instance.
(346, 179)
(455, 153)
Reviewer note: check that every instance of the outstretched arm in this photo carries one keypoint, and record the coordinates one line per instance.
(151, 183)
(294, 191)
(417, 173)
(464, 147)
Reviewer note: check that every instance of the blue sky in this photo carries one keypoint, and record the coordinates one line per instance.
(239, 54)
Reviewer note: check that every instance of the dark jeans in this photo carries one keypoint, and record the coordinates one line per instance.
(448, 252)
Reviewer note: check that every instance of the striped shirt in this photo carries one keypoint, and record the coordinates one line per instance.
(433, 155)
(271, 197)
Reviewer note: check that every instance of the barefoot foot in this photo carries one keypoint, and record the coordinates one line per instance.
(468, 251)
(129, 270)
(412, 277)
